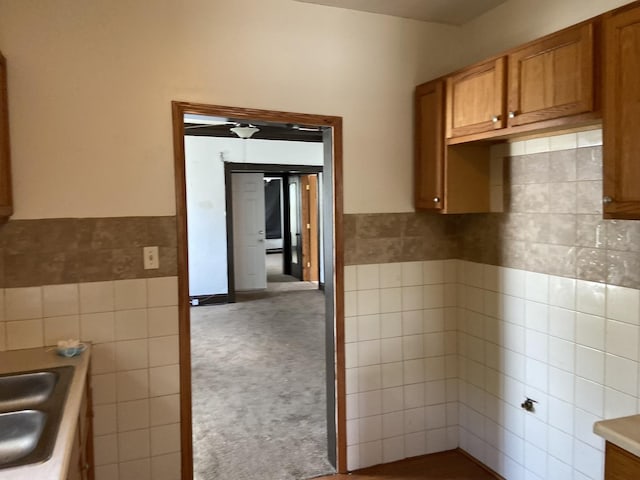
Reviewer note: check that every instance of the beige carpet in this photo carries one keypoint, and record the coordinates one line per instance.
(258, 386)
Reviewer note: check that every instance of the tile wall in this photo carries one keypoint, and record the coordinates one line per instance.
(572, 345)
(133, 325)
(400, 329)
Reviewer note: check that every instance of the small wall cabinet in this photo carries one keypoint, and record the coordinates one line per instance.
(552, 78)
(448, 179)
(6, 197)
(475, 99)
(621, 113)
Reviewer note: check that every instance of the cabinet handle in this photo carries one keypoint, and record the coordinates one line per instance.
(495, 118)
(607, 199)
(436, 199)
(512, 114)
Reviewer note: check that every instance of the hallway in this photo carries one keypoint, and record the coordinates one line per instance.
(259, 404)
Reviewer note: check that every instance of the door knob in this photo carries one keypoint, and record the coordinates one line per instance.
(436, 200)
(607, 199)
(512, 114)
(495, 118)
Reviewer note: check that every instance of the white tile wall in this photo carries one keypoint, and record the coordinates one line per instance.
(133, 325)
(509, 334)
(401, 360)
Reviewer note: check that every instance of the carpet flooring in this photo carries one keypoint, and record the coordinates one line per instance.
(258, 386)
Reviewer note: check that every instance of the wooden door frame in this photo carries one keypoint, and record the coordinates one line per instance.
(179, 109)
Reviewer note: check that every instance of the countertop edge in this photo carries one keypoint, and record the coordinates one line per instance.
(623, 432)
(56, 467)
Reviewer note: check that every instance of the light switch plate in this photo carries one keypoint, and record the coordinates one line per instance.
(151, 258)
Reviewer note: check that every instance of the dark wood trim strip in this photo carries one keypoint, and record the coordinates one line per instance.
(213, 299)
(186, 444)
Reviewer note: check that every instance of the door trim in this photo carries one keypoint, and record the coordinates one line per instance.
(179, 109)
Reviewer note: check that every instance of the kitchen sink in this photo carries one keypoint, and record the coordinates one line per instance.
(31, 406)
(19, 433)
(18, 392)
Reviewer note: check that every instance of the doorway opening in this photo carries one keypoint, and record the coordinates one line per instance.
(332, 261)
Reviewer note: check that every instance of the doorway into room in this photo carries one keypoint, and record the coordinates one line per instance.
(330, 266)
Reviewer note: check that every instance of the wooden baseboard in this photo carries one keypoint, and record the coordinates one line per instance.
(480, 464)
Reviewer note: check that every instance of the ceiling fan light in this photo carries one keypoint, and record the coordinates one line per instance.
(245, 132)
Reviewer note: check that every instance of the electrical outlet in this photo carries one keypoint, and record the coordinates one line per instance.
(150, 257)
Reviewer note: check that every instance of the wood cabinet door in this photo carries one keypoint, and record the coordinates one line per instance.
(620, 464)
(621, 114)
(429, 146)
(475, 99)
(552, 77)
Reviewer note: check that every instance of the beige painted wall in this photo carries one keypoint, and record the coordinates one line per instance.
(91, 84)
(518, 21)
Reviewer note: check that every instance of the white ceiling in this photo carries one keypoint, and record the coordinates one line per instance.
(454, 12)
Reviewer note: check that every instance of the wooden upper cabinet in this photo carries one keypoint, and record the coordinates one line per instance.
(621, 114)
(475, 99)
(552, 77)
(429, 146)
(6, 203)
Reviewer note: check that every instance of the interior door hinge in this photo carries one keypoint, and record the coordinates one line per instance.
(308, 187)
(308, 264)
(308, 226)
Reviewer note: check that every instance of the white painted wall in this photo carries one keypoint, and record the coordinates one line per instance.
(206, 217)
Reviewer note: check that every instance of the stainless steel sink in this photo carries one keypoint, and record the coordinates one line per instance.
(19, 433)
(31, 406)
(18, 392)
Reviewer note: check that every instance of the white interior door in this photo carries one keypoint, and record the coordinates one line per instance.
(249, 231)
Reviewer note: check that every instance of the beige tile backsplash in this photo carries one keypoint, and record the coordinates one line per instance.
(135, 376)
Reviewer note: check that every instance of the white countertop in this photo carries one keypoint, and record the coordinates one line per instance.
(623, 432)
(32, 359)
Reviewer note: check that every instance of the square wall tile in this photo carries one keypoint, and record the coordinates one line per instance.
(164, 351)
(622, 339)
(23, 303)
(621, 374)
(164, 410)
(390, 275)
(350, 282)
(97, 327)
(590, 297)
(623, 304)
(133, 415)
(132, 385)
(162, 291)
(24, 334)
(165, 439)
(166, 467)
(390, 300)
(412, 274)
(3, 337)
(590, 331)
(103, 358)
(130, 294)
(368, 302)
(164, 380)
(104, 419)
(163, 321)
(106, 472)
(61, 328)
(133, 445)
(105, 449)
(367, 277)
(135, 469)
(59, 300)
(97, 297)
(131, 324)
(103, 388)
